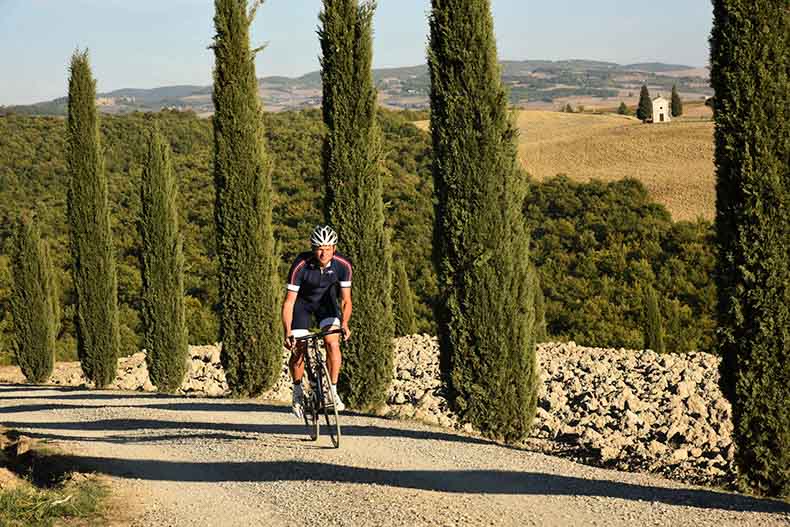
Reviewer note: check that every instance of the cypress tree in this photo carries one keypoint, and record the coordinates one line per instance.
(162, 266)
(92, 253)
(34, 303)
(622, 109)
(248, 287)
(749, 73)
(677, 104)
(485, 312)
(351, 166)
(541, 331)
(654, 327)
(644, 111)
(403, 302)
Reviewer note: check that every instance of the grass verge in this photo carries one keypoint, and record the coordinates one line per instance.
(38, 492)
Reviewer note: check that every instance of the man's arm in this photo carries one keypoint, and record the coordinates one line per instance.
(288, 315)
(345, 302)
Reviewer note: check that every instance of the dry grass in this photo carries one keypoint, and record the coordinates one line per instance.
(674, 161)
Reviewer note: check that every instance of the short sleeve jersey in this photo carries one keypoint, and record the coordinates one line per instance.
(312, 283)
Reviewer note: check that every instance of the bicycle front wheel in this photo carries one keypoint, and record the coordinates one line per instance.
(330, 410)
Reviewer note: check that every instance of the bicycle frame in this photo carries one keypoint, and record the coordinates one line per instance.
(320, 399)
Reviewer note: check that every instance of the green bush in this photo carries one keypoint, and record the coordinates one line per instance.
(481, 241)
(34, 303)
(403, 303)
(352, 171)
(644, 110)
(248, 287)
(595, 244)
(93, 254)
(162, 269)
(654, 326)
(749, 72)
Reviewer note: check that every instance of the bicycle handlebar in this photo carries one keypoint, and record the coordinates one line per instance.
(318, 335)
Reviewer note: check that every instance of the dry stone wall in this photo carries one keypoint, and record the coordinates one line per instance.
(633, 410)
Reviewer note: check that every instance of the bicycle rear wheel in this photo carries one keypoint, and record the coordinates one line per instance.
(330, 411)
(312, 400)
(311, 415)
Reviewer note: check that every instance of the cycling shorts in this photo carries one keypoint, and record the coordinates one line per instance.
(324, 313)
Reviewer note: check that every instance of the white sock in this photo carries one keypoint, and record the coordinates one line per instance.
(334, 390)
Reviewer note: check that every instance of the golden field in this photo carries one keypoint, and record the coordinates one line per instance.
(673, 160)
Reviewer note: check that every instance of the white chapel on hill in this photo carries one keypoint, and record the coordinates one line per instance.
(661, 110)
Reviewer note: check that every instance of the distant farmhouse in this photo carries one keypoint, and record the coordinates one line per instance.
(661, 110)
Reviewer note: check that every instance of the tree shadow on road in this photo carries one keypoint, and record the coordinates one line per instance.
(350, 430)
(450, 481)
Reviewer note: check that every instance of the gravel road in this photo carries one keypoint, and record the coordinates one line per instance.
(216, 462)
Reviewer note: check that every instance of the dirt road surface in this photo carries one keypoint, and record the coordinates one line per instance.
(216, 462)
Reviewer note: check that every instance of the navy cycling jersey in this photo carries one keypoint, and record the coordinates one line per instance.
(312, 283)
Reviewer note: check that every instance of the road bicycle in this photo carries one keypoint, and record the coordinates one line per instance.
(318, 397)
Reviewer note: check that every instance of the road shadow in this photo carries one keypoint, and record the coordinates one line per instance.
(450, 481)
(349, 430)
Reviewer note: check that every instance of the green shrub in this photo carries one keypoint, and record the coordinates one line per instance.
(749, 72)
(403, 303)
(644, 110)
(34, 303)
(248, 287)
(481, 241)
(162, 265)
(93, 256)
(654, 327)
(352, 171)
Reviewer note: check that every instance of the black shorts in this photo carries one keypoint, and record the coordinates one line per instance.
(306, 316)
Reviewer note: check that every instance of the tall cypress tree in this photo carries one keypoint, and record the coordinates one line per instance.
(354, 204)
(644, 110)
(541, 330)
(162, 265)
(481, 242)
(34, 303)
(248, 288)
(677, 104)
(654, 327)
(749, 72)
(92, 253)
(403, 303)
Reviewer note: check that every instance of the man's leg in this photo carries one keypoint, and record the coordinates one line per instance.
(333, 359)
(299, 325)
(296, 362)
(332, 346)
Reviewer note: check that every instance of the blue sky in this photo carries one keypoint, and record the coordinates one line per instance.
(149, 43)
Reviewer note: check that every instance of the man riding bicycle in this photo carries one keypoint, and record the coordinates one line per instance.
(315, 280)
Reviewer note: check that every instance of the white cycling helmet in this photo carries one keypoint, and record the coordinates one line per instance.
(323, 235)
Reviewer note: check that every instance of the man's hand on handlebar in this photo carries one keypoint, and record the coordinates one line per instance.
(290, 342)
(346, 332)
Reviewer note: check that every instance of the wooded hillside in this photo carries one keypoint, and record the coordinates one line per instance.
(596, 245)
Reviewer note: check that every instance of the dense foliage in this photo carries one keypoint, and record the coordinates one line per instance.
(677, 103)
(654, 326)
(596, 244)
(352, 171)
(644, 110)
(34, 302)
(92, 251)
(591, 242)
(485, 310)
(403, 303)
(162, 269)
(249, 291)
(750, 59)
